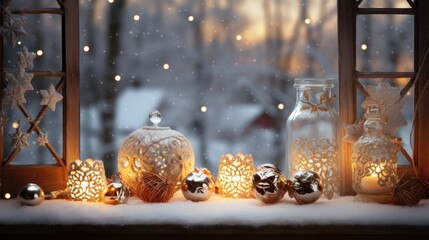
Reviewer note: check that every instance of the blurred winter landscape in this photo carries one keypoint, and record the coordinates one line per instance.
(221, 72)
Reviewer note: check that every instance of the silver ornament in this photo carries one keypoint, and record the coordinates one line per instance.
(306, 186)
(268, 184)
(198, 185)
(116, 193)
(31, 195)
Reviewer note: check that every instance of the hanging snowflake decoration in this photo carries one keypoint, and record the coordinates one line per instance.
(42, 139)
(26, 59)
(19, 139)
(385, 96)
(13, 95)
(23, 81)
(12, 28)
(50, 97)
(17, 84)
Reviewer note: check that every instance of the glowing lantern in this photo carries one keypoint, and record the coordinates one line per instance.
(86, 180)
(235, 175)
(374, 161)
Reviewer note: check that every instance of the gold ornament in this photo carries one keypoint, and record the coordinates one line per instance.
(407, 190)
(153, 188)
(158, 150)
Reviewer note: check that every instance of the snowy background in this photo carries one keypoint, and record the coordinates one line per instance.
(221, 72)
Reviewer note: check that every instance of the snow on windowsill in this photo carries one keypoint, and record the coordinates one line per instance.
(217, 210)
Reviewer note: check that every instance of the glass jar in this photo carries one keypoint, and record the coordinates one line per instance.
(374, 160)
(312, 133)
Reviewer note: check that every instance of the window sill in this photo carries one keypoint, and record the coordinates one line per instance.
(215, 216)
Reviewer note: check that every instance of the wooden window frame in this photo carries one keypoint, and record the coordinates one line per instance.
(348, 10)
(50, 177)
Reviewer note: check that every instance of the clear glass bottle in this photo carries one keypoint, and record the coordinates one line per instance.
(374, 160)
(312, 133)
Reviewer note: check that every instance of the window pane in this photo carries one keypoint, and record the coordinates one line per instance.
(50, 124)
(385, 43)
(43, 37)
(220, 72)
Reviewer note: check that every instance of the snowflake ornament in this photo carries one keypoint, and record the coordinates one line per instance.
(385, 96)
(17, 84)
(19, 139)
(26, 59)
(23, 81)
(13, 95)
(42, 139)
(50, 97)
(12, 28)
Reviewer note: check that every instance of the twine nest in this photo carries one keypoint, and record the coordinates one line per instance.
(152, 188)
(407, 190)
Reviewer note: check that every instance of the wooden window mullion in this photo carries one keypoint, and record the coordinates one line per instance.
(421, 133)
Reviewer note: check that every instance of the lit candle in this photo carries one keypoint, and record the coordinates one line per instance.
(370, 183)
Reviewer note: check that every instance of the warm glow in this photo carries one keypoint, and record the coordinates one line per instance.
(281, 106)
(307, 21)
(136, 17)
(166, 66)
(203, 109)
(15, 125)
(191, 18)
(7, 195)
(117, 78)
(364, 47)
(39, 52)
(235, 175)
(86, 180)
(238, 37)
(110, 1)
(86, 48)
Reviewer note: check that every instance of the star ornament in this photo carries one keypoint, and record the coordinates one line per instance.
(43, 139)
(50, 97)
(19, 139)
(13, 94)
(26, 59)
(23, 81)
(12, 28)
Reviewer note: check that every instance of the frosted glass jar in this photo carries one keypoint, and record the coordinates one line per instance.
(312, 133)
(374, 161)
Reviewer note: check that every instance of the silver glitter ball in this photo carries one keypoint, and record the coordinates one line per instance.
(306, 187)
(198, 185)
(268, 184)
(116, 193)
(31, 195)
